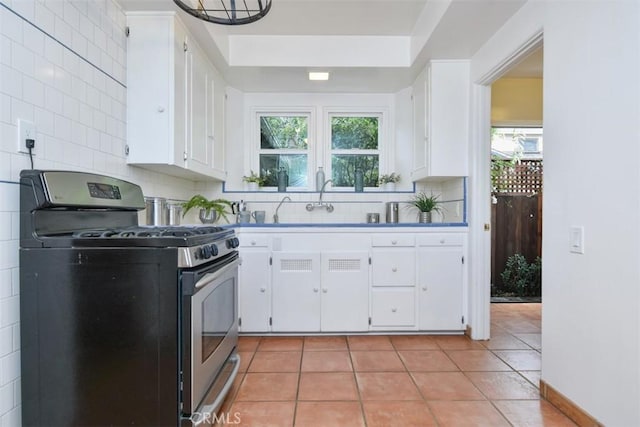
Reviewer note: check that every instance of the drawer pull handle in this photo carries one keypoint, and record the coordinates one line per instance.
(394, 269)
(393, 242)
(263, 289)
(424, 288)
(315, 289)
(160, 109)
(393, 310)
(442, 241)
(324, 290)
(253, 243)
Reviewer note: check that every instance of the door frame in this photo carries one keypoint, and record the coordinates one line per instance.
(479, 185)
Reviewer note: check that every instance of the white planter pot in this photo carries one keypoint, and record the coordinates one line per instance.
(389, 186)
(252, 186)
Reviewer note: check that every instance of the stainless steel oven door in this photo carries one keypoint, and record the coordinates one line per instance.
(214, 329)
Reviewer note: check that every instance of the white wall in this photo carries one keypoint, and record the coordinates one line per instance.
(591, 302)
(62, 66)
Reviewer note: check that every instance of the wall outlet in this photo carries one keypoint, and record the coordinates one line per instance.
(26, 130)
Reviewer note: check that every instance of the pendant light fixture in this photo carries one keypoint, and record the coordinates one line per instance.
(226, 12)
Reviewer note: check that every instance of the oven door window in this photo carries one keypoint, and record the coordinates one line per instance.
(218, 314)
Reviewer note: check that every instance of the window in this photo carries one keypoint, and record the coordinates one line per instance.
(354, 145)
(284, 143)
(517, 143)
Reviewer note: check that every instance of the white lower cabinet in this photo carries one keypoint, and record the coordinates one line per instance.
(393, 307)
(344, 305)
(254, 290)
(320, 291)
(441, 284)
(296, 292)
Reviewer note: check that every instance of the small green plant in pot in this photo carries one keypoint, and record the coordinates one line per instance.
(210, 210)
(426, 205)
(253, 181)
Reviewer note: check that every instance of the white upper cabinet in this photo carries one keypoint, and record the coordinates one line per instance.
(174, 111)
(441, 120)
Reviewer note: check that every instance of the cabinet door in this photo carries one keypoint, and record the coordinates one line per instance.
(254, 290)
(296, 291)
(345, 291)
(393, 307)
(440, 282)
(198, 76)
(394, 267)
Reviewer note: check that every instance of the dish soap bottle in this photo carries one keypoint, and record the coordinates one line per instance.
(319, 179)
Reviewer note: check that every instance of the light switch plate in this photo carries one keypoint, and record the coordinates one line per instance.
(26, 130)
(576, 239)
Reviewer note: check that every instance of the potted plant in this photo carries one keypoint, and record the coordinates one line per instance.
(388, 182)
(426, 205)
(210, 210)
(253, 181)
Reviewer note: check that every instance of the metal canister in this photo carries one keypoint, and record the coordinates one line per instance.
(174, 212)
(392, 212)
(155, 208)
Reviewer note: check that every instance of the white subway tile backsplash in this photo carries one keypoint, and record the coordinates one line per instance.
(44, 18)
(24, 8)
(6, 397)
(45, 121)
(11, 83)
(5, 225)
(17, 388)
(33, 39)
(15, 280)
(15, 225)
(6, 283)
(63, 80)
(63, 31)
(62, 127)
(53, 99)
(5, 166)
(11, 27)
(6, 345)
(5, 108)
(33, 91)
(9, 368)
(21, 110)
(5, 51)
(20, 162)
(9, 310)
(12, 418)
(71, 14)
(23, 60)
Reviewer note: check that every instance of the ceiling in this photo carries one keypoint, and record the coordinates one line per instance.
(367, 46)
(529, 67)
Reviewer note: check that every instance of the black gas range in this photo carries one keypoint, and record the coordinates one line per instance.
(121, 324)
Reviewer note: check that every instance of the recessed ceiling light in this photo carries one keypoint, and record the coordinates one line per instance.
(319, 75)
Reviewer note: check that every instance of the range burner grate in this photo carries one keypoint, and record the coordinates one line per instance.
(143, 232)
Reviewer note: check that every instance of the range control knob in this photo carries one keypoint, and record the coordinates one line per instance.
(214, 249)
(206, 252)
(229, 243)
(236, 242)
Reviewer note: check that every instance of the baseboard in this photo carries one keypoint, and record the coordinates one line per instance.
(567, 407)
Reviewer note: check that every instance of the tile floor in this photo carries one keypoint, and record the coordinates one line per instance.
(388, 381)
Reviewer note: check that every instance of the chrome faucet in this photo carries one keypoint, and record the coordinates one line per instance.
(321, 204)
(275, 215)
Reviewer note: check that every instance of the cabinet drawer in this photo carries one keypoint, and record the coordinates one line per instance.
(393, 307)
(253, 241)
(441, 239)
(393, 267)
(392, 240)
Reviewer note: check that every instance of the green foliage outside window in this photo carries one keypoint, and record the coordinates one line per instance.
(278, 132)
(354, 134)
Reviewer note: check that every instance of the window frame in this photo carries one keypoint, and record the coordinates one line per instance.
(309, 152)
(381, 114)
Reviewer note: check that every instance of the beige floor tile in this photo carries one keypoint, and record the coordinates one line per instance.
(281, 344)
(414, 342)
(504, 341)
(503, 385)
(268, 387)
(245, 360)
(376, 361)
(533, 340)
(404, 414)
(446, 386)
(248, 343)
(532, 413)
(386, 385)
(325, 343)
(275, 361)
(467, 414)
(326, 361)
(261, 414)
(532, 376)
(327, 386)
(329, 414)
(457, 342)
(477, 360)
(427, 361)
(369, 342)
(520, 360)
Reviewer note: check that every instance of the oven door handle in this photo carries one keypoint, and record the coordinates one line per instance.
(210, 277)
